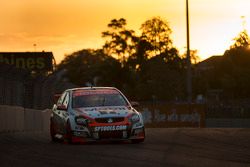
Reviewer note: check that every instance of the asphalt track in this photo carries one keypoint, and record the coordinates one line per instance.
(163, 147)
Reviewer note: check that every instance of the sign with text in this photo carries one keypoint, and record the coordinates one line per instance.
(173, 115)
(35, 61)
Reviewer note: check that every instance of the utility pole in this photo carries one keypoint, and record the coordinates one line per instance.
(189, 74)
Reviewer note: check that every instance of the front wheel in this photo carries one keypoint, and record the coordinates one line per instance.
(68, 135)
(136, 141)
(140, 140)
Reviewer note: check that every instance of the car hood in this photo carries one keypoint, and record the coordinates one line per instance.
(102, 112)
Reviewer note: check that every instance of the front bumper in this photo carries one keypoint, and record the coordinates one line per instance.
(115, 135)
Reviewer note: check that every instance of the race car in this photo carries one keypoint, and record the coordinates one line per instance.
(95, 114)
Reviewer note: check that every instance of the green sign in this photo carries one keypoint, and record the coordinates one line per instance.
(35, 61)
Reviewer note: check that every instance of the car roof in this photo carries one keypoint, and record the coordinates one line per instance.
(92, 88)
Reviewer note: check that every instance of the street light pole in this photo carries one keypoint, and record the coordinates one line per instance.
(189, 74)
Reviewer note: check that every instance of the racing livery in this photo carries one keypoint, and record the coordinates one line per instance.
(95, 114)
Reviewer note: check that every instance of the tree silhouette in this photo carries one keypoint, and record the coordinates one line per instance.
(195, 58)
(142, 67)
(156, 31)
(119, 40)
(91, 67)
(230, 72)
(242, 40)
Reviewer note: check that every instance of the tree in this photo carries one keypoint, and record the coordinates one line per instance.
(195, 58)
(91, 67)
(138, 59)
(142, 67)
(154, 40)
(242, 40)
(157, 66)
(120, 42)
(156, 32)
(231, 72)
(160, 79)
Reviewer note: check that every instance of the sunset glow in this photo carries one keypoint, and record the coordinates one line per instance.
(67, 26)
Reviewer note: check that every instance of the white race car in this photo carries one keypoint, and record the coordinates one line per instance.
(95, 114)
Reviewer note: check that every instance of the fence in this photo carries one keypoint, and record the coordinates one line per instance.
(12, 88)
(19, 87)
(173, 115)
(19, 119)
(231, 109)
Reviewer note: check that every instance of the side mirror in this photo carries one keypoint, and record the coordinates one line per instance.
(134, 104)
(62, 107)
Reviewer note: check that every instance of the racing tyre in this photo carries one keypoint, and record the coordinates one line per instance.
(135, 141)
(52, 132)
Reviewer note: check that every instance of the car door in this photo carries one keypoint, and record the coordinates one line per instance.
(63, 113)
(57, 112)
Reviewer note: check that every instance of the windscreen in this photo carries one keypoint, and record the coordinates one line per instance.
(97, 98)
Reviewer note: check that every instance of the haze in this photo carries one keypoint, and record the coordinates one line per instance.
(67, 26)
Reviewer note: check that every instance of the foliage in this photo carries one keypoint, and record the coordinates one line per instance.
(156, 32)
(231, 74)
(91, 67)
(161, 80)
(242, 40)
(119, 40)
(145, 67)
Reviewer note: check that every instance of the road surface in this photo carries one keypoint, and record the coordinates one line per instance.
(184, 147)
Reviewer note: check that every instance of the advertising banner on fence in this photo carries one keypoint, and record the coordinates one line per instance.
(173, 115)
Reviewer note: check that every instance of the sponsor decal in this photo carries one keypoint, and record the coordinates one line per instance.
(112, 112)
(103, 112)
(110, 128)
(93, 92)
(105, 109)
(110, 120)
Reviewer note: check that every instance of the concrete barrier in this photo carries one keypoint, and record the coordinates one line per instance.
(46, 119)
(227, 123)
(18, 119)
(32, 120)
(11, 119)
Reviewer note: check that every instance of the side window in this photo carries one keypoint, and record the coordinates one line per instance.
(60, 100)
(66, 100)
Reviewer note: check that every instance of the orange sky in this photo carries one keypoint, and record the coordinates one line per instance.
(65, 26)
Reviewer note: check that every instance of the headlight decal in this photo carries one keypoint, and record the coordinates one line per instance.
(81, 120)
(135, 118)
